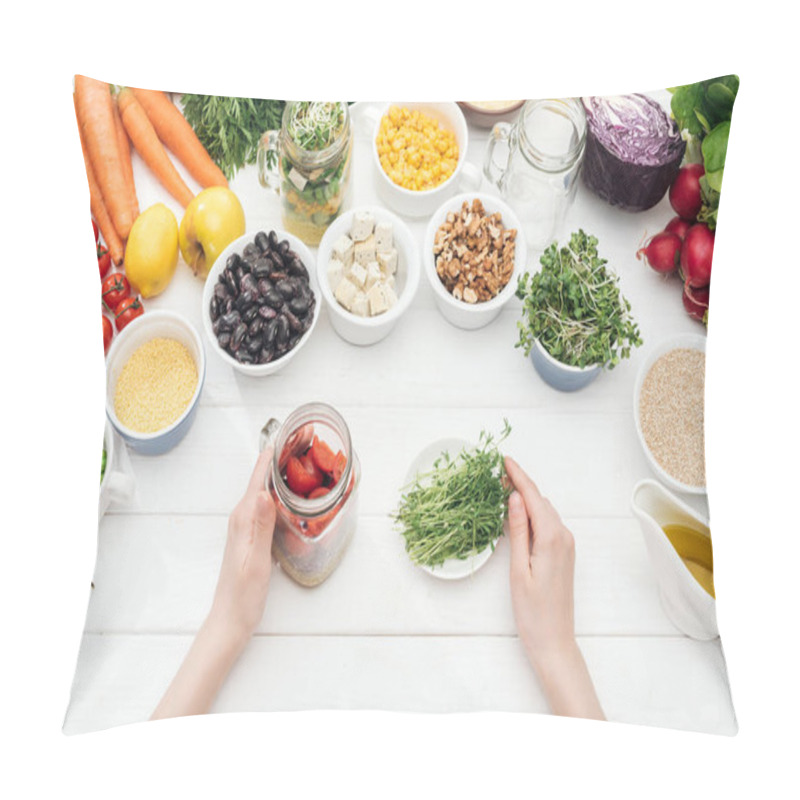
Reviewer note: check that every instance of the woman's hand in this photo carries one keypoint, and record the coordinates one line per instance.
(542, 595)
(238, 602)
(247, 562)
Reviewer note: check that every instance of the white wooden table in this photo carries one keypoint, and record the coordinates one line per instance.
(380, 632)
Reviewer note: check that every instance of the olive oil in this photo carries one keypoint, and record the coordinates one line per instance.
(694, 548)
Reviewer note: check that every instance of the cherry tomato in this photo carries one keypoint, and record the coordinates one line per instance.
(339, 466)
(322, 455)
(108, 333)
(127, 311)
(300, 478)
(320, 491)
(114, 290)
(96, 232)
(103, 260)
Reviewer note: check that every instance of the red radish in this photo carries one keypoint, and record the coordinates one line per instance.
(696, 255)
(695, 301)
(678, 226)
(684, 194)
(662, 252)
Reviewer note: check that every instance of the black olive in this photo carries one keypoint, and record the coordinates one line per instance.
(299, 305)
(267, 313)
(270, 330)
(274, 299)
(262, 243)
(238, 336)
(286, 288)
(250, 313)
(282, 333)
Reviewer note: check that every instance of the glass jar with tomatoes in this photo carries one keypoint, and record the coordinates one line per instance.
(314, 482)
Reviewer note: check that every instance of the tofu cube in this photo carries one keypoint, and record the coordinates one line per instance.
(358, 274)
(360, 305)
(298, 179)
(374, 275)
(384, 240)
(364, 251)
(343, 250)
(388, 261)
(378, 302)
(389, 281)
(391, 296)
(335, 273)
(362, 226)
(346, 293)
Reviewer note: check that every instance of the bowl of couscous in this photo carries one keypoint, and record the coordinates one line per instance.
(155, 371)
(419, 150)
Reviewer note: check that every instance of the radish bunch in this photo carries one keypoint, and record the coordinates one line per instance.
(685, 245)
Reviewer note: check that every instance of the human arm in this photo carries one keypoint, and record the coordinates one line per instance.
(542, 595)
(238, 603)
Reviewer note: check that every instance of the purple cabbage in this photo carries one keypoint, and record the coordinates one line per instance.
(633, 150)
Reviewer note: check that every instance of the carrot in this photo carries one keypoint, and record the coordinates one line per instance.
(98, 207)
(146, 141)
(178, 135)
(125, 155)
(96, 121)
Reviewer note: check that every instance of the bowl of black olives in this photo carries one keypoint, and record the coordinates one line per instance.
(261, 301)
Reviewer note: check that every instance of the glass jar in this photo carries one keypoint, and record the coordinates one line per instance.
(311, 535)
(545, 152)
(313, 149)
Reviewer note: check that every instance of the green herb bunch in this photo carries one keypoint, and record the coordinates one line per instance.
(457, 508)
(230, 127)
(574, 307)
(315, 125)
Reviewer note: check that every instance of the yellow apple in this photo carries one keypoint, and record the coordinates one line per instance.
(210, 223)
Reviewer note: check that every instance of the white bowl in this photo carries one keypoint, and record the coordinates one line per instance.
(369, 330)
(691, 341)
(237, 246)
(152, 325)
(457, 312)
(412, 203)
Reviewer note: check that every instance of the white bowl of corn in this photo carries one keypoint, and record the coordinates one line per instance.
(419, 151)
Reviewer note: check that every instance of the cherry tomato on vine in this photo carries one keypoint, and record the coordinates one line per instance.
(103, 260)
(114, 290)
(108, 333)
(127, 311)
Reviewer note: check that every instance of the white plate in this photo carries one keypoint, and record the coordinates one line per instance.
(454, 568)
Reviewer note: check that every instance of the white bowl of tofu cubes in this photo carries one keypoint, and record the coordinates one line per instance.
(368, 271)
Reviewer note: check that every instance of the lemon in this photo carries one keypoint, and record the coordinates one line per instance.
(151, 254)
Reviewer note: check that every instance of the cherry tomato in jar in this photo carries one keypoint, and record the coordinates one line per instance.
(301, 478)
(96, 232)
(103, 260)
(114, 290)
(320, 491)
(322, 455)
(108, 333)
(339, 466)
(127, 311)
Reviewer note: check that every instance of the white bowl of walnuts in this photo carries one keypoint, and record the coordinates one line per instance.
(473, 254)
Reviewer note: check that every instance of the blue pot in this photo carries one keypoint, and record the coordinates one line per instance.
(562, 376)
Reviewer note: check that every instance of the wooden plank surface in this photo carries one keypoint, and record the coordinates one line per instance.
(665, 681)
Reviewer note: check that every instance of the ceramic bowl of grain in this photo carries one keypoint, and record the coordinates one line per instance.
(668, 403)
(155, 371)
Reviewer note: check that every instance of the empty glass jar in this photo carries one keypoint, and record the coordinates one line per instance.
(539, 176)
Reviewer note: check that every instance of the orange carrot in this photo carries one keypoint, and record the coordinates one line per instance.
(98, 207)
(96, 122)
(177, 134)
(125, 156)
(146, 141)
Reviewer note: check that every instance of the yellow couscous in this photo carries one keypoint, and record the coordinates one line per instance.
(155, 386)
(415, 151)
